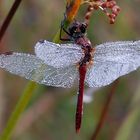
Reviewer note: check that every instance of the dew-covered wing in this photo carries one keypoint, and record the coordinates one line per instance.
(33, 68)
(112, 60)
(58, 55)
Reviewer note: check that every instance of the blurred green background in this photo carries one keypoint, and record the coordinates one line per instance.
(51, 113)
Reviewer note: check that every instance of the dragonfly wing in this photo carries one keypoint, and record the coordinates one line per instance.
(33, 68)
(60, 77)
(112, 60)
(104, 73)
(121, 51)
(58, 55)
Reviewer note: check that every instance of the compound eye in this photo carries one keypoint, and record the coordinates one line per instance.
(73, 29)
(83, 28)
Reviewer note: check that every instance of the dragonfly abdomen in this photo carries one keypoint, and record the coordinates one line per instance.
(79, 110)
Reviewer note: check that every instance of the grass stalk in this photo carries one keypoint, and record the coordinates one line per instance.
(20, 107)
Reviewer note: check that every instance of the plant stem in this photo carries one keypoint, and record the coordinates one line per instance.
(20, 107)
(9, 18)
(105, 110)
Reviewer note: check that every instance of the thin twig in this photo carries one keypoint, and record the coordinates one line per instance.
(9, 18)
(105, 110)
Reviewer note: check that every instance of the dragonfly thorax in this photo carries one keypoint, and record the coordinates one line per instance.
(87, 49)
(84, 42)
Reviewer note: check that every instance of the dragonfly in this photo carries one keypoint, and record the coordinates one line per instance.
(60, 65)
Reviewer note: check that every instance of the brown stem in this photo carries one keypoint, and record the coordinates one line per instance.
(105, 110)
(9, 18)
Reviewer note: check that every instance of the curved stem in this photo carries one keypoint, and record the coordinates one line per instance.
(105, 110)
(20, 107)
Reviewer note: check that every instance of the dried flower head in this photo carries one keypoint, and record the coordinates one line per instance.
(109, 7)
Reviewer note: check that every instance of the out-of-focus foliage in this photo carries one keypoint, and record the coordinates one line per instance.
(50, 115)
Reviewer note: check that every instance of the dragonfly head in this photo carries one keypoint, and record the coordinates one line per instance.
(77, 29)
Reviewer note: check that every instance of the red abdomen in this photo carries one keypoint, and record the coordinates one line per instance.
(79, 110)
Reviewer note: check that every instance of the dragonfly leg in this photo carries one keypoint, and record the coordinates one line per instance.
(62, 28)
(64, 39)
